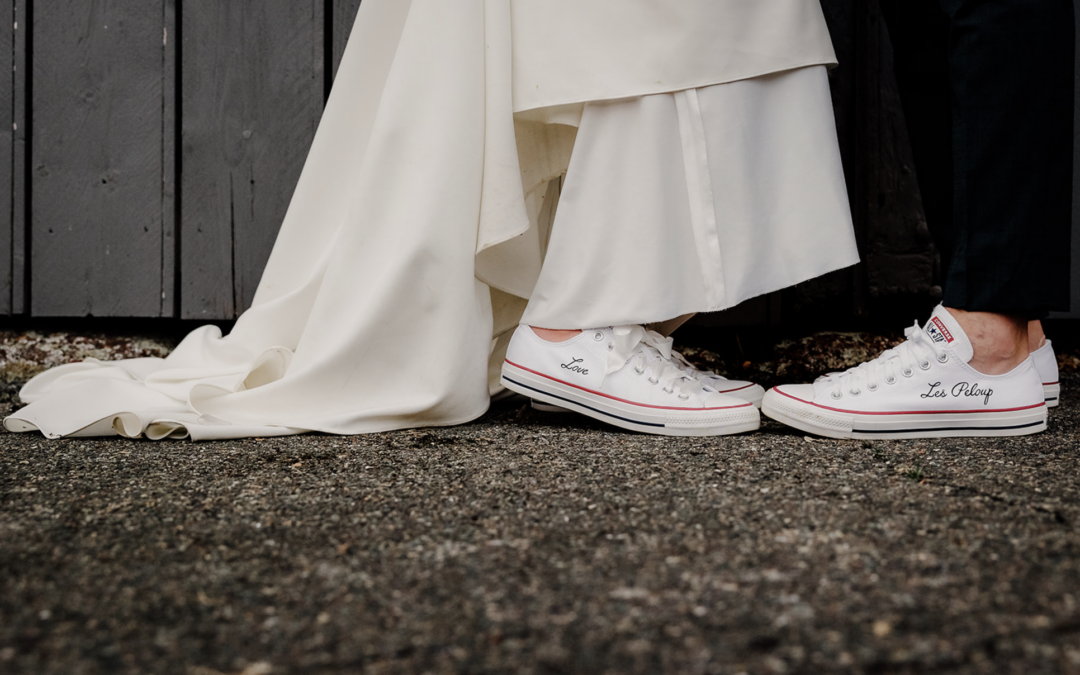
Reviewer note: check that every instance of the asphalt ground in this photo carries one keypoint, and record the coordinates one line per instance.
(539, 543)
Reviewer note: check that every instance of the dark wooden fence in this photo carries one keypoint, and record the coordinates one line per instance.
(149, 148)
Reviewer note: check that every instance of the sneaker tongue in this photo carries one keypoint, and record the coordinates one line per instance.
(943, 329)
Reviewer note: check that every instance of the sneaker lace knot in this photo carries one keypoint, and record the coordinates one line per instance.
(917, 351)
(651, 353)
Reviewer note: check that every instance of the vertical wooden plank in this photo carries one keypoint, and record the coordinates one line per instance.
(343, 14)
(169, 131)
(898, 253)
(96, 161)
(840, 15)
(252, 95)
(7, 147)
(867, 73)
(20, 166)
(832, 294)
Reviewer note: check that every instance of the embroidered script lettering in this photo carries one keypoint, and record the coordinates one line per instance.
(962, 389)
(972, 390)
(934, 392)
(575, 368)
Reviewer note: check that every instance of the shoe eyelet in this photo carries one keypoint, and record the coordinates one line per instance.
(908, 372)
(890, 380)
(943, 358)
(598, 336)
(855, 392)
(871, 387)
(684, 397)
(668, 391)
(653, 380)
(837, 395)
(639, 371)
(925, 365)
(611, 346)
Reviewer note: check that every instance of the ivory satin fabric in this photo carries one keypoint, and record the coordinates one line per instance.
(695, 201)
(421, 219)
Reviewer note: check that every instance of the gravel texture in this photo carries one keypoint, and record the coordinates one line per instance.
(540, 543)
(24, 354)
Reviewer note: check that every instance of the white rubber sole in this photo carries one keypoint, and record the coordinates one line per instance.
(539, 405)
(628, 415)
(1051, 392)
(822, 421)
(751, 394)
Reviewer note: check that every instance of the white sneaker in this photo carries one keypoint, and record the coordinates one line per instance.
(747, 391)
(1046, 365)
(615, 375)
(923, 388)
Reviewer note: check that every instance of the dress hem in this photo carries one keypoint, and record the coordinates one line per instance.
(830, 64)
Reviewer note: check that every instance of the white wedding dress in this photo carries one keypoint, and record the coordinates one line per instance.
(703, 170)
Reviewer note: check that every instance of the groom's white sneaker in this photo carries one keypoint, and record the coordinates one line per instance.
(623, 377)
(922, 388)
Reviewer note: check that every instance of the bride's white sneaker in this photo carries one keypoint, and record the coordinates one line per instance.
(922, 388)
(1046, 365)
(747, 391)
(625, 377)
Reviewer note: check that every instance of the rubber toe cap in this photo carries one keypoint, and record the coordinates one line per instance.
(718, 400)
(803, 392)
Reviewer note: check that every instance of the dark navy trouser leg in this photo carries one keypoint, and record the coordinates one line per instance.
(987, 89)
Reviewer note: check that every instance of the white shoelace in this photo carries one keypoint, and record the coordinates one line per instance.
(916, 352)
(664, 344)
(650, 352)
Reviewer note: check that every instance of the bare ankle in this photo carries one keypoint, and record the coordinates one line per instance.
(999, 341)
(554, 335)
(1036, 336)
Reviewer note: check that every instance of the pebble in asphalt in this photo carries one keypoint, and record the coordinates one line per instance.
(538, 543)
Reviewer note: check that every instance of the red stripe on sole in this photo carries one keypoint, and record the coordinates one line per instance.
(906, 412)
